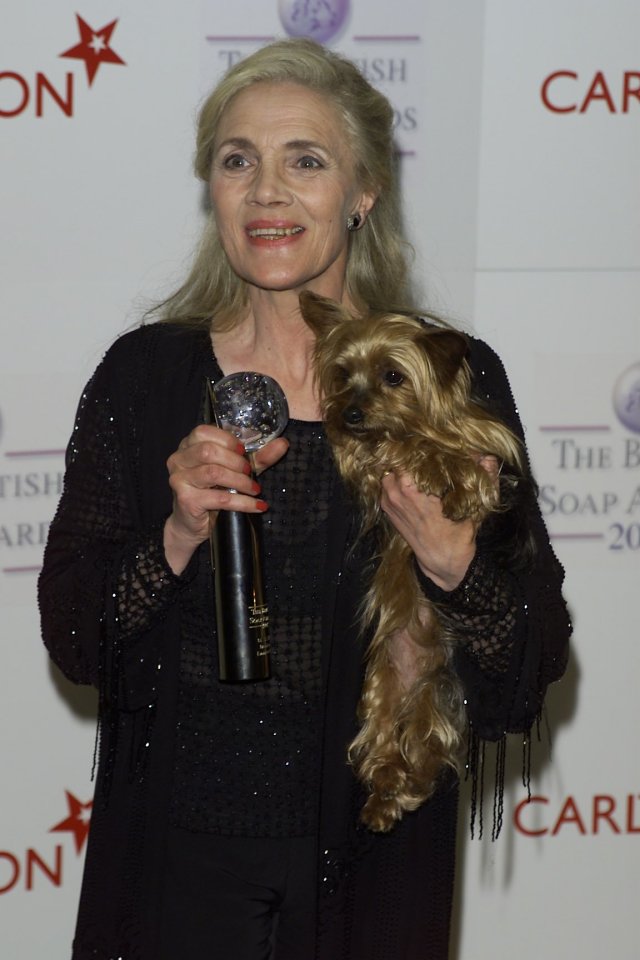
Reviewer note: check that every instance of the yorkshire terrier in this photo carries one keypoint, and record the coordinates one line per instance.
(396, 398)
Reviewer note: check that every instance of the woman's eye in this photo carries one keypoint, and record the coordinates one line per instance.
(309, 163)
(393, 377)
(235, 162)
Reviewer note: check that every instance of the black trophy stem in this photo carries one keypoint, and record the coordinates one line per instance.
(241, 614)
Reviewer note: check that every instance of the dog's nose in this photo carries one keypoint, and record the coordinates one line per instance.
(352, 415)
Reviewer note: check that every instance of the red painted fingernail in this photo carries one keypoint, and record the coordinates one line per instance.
(247, 468)
(240, 448)
(261, 505)
(256, 487)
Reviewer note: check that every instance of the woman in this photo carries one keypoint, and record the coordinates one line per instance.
(226, 818)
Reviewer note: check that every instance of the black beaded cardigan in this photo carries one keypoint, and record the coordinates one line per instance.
(110, 609)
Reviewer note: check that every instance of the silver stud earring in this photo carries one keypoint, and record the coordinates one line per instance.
(353, 222)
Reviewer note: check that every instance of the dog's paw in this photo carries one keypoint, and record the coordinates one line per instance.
(380, 813)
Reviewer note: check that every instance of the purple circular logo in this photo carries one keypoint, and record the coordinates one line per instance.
(626, 398)
(319, 20)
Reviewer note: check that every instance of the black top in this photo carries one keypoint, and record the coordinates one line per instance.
(247, 755)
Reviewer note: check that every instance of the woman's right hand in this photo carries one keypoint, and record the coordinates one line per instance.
(207, 465)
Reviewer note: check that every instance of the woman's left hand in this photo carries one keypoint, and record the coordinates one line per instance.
(443, 548)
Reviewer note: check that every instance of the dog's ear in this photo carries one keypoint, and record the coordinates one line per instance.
(447, 349)
(320, 313)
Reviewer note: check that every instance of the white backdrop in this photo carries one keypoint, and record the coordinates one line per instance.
(519, 128)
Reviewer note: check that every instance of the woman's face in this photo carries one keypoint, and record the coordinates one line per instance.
(282, 186)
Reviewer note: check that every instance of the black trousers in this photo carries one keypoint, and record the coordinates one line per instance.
(228, 898)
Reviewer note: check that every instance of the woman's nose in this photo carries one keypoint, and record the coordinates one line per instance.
(268, 186)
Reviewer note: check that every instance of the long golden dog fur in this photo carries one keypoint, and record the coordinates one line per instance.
(396, 397)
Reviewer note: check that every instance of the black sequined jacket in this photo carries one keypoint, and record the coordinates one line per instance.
(110, 611)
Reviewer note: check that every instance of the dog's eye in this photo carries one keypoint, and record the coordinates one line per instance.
(394, 378)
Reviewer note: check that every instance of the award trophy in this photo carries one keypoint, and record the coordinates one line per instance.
(254, 408)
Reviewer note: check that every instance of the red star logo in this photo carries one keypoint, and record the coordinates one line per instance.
(77, 822)
(94, 47)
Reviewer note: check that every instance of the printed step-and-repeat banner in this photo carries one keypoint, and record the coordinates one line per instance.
(518, 130)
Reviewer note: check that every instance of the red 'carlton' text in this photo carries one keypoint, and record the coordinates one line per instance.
(16, 94)
(600, 814)
(16, 871)
(565, 92)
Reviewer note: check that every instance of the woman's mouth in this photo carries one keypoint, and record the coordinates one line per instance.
(273, 233)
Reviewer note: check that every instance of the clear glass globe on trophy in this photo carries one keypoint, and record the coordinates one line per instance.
(252, 406)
